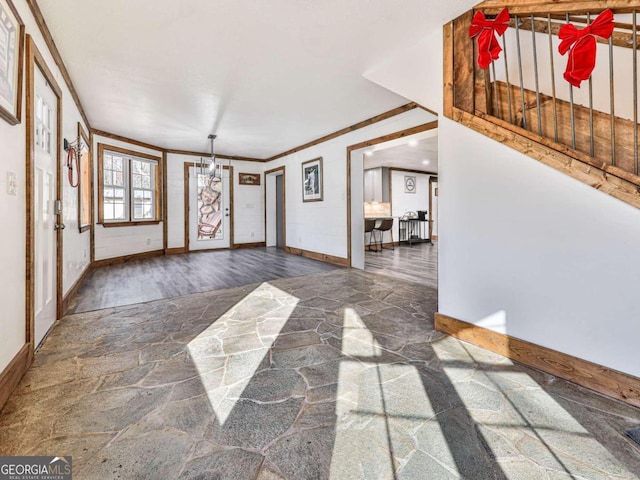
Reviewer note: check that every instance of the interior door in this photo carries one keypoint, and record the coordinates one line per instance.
(280, 211)
(433, 207)
(209, 210)
(45, 206)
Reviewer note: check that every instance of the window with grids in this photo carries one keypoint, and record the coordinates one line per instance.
(129, 187)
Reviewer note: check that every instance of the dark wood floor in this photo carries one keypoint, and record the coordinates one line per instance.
(175, 275)
(417, 263)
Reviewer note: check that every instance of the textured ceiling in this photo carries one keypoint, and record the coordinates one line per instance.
(264, 75)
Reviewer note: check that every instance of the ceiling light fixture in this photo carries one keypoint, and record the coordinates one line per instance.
(369, 153)
(425, 162)
(213, 167)
(413, 143)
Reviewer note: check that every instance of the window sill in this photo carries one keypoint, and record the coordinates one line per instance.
(85, 228)
(129, 224)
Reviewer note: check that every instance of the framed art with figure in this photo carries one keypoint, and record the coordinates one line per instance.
(312, 183)
(11, 62)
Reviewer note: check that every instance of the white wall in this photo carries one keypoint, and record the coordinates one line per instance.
(248, 204)
(409, 202)
(248, 208)
(402, 202)
(12, 243)
(77, 246)
(322, 226)
(114, 242)
(559, 258)
(12, 208)
(410, 71)
(175, 198)
(523, 248)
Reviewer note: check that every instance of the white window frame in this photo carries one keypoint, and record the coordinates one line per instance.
(152, 188)
(129, 190)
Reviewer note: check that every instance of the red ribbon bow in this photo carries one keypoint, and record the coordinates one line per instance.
(488, 47)
(583, 46)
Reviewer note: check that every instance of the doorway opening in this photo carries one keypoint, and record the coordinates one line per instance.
(276, 208)
(393, 186)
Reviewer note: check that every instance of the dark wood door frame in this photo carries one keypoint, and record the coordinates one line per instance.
(35, 60)
(369, 143)
(282, 169)
(187, 166)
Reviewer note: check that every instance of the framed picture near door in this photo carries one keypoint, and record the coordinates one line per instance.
(312, 183)
(11, 62)
(249, 179)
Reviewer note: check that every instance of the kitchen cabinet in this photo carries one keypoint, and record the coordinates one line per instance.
(376, 185)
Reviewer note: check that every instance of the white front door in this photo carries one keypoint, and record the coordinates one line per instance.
(44, 203)
(209, 210)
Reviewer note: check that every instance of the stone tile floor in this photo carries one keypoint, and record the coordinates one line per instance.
(336, 375)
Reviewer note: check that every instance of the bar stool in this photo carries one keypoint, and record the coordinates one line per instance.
(385, 226)
(369, 227)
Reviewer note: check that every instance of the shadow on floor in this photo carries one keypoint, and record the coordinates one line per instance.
(335, 375)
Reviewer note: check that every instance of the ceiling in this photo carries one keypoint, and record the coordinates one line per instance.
(411, 154)
(265, 76)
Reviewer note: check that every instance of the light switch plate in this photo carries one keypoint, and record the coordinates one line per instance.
(12, 183)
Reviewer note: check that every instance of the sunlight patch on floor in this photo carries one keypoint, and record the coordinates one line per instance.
(228, 344)
(537, 422)
(379, 406)
(357, 340)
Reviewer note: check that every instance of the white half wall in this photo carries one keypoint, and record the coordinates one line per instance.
(114, 242)
(12, 208)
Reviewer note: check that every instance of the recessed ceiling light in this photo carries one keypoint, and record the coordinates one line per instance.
(425, 162)
(413, 143)
(369, 153)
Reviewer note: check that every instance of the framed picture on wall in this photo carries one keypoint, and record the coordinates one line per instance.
(249, 178)
(312, 184)
(11, 62)
(409, 184)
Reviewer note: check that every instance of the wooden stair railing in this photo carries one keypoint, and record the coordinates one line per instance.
(596, 147)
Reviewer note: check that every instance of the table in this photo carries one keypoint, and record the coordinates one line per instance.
(414, 230)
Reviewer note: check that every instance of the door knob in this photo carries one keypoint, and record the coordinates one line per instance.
(59, 226)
